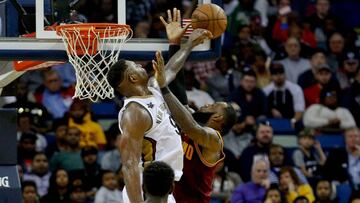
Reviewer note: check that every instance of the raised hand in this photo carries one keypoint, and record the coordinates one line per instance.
(198, 36)
(173, 27)
(159, 69)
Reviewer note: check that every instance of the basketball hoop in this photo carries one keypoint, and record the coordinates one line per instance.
(92, 48)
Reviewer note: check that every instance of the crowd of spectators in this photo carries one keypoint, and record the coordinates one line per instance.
(277, 63)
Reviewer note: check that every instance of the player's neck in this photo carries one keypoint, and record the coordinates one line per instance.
(152, 199)
(139, 91)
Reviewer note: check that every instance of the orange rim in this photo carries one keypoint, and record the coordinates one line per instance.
(98, 28)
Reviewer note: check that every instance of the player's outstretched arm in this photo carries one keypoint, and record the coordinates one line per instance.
(177, 61)
(204, 136)
(134, 123)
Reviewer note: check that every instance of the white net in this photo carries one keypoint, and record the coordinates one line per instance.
(92, 52)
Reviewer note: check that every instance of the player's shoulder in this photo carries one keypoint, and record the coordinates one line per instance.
(135, 109)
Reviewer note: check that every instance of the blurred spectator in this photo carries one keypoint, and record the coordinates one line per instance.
(285, 99)
(26, 151)
(258, 64)
(77, 194)
(53, 96)
(70, 159)
(277, 161)
(336, 47)
(106, 12)
(273, 195)
(352, 98)
(40, 118)
(237, 142)
(285, 18)
(308, 78)
(324, 192)
(328, 116)
(109, 191)
(196, 97)
(67, 74)
(310, 157)
(294, 65)
(91, 132)
(25, 126)
(222, 83)
(39, 173)
(254, 190)
(354, 198)
(59, 188)
(136, 11)
(203, 70)
(258, 35)
(301, 199)
(29, 192)
(324, 79)
(60, 128)
(291, 186)
(91, 174)
(343, 163)
(224, 183)
(348, 69)
(241, 15)
(251, 100)
(111, 160)
(317, 21)
(261, 145)
(142, 29)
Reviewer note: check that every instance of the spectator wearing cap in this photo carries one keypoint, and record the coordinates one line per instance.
(343, 164)
(348, 69)
(91, 174)
(277, 161)
(324, 79)
(80, 117)
(285, 99)
(309, 157)
(328, 116)
(225, 80)
(260, 146)
(251, 100)
(336, 50)
(294, 65)
(69, 159)
(26, 150)
(25, 125)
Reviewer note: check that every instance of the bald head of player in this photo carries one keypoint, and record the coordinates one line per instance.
(128, 78)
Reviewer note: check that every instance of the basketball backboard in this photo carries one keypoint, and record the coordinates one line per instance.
(46, 45)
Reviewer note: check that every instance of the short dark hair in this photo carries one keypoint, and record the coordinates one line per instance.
(158, 178)
(248, 72)
(28, 183)
(301, 198)
(116, 73)
(230, 118)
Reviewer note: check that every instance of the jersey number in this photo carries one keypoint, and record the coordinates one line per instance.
(174, 125)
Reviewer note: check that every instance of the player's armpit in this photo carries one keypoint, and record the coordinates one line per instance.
(134, 123)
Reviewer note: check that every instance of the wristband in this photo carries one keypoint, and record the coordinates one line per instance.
(165, 90)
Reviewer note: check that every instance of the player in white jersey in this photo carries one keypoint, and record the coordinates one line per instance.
(147, 131)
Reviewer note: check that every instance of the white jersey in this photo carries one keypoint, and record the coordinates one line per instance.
(162, 142)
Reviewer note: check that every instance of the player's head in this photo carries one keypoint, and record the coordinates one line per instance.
(124, 75)
(221, 116)
(158, 179)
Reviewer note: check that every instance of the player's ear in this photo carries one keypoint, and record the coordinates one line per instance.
(217, 117)
(133, 78)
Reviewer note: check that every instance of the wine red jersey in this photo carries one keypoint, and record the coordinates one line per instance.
(195, 185)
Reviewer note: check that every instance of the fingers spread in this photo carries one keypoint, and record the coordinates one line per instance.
(163, 21)
(169, 16)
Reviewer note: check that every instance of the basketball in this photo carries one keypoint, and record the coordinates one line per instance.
(211, 17)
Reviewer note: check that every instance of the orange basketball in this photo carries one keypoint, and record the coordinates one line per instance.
(211, 17)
